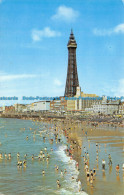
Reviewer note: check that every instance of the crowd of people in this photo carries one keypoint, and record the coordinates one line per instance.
(72, 147)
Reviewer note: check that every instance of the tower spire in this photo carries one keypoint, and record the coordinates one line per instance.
(72, 76)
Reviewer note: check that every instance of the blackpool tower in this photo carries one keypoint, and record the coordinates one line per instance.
(72, 76)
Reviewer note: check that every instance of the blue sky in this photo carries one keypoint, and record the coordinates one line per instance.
(33, 46)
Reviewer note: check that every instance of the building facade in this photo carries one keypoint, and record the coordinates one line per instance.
(82, 101)
(58, 105)
(40, 106)
(107, 107)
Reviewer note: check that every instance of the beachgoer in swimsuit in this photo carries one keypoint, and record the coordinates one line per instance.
(103, 164)
(117, 169)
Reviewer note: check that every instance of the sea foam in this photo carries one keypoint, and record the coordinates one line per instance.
(71, 171)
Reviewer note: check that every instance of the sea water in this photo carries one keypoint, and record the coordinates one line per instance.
(29, 180)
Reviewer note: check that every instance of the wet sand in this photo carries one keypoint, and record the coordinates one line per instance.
(111, 141)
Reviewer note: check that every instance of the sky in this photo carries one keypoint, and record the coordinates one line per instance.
(33, 46)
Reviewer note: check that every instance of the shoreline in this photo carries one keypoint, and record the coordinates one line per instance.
(93, 136)
(95, 121)
(80, 134)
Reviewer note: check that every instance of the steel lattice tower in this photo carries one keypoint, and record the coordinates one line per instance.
(72, 75)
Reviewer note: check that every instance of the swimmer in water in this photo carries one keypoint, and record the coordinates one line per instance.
(1, 156)
(43, 173)
(65, 171)
(25, 156)
(19, 164)
(44, 139)
(5, 156)
(24, 164)
(32, 157)
(47, 160)
(103, 164)
(72, 177)
(61, 173)
(18, 155)
(27, 138)
(79, 185)
(43, 156)
(39, 157)
(41, 152)
(58, 183)
(57, 168)
(9, 156)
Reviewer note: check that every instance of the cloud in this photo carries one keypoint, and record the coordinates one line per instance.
(57, 82)
(38, 35)
(1, 1)
(122, 1)
(120, 89)
(116, 30)
(7, 77)
(116, 88)
(65, 13)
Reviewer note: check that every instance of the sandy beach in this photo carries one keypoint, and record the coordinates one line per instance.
(110, 141)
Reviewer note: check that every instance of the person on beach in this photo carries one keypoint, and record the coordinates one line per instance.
(84, 159)
(71, 158)
(86, 167)
(110, 159)
(77, 165)
(117, 169)
(97, 147)
(79, 185)
(103, 164)
(91, 178)
(87, 155)
(123, 167)
(84, 149)
(88, 175)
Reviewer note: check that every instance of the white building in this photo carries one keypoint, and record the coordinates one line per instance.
(39, 106)
(106, 107)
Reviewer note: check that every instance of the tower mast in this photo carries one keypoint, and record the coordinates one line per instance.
(72, 76)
